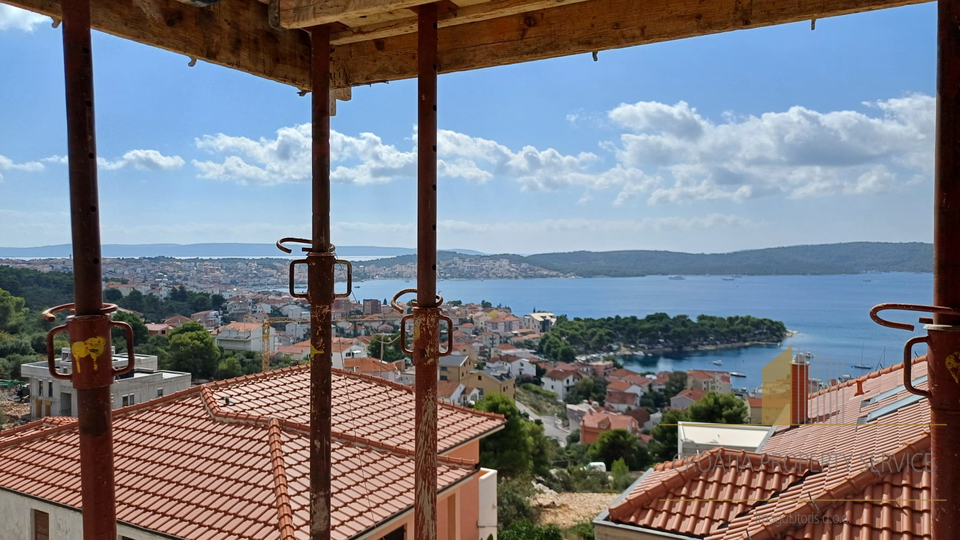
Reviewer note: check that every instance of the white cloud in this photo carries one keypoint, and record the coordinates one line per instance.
(666, 154)
(798, 153)
(366, 159)
(12, 18)
(141, 160)
(7, 164)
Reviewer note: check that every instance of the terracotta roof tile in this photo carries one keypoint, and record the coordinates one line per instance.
(885, 504)
(189, 465)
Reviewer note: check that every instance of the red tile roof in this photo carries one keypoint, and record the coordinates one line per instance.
(693, 393)
(892, 501)
(660, 500)
(191, 466)
(602, 420)
(560, 374)
(620, 398)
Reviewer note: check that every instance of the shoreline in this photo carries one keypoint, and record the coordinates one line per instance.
(707, 348)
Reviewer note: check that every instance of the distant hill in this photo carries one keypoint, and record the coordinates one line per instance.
(201, 251)
(848, 258)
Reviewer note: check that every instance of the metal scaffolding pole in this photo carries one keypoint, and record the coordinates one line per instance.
(89, 325)
(426, 323)
(943, 329)
(320, 281)
(944, 334)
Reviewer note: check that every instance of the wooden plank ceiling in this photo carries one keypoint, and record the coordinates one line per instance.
(375, 41)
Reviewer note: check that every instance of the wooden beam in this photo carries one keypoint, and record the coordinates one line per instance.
(236, 33)
(306, 13)
(231, 33)
(591, 26)
(475, 12)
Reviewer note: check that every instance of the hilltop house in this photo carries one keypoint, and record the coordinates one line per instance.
(596, 422)
(560, 382)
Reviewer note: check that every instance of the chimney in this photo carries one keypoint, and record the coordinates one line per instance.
(799, 387)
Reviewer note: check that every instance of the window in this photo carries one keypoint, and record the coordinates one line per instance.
(50, 388)
(41, 525)
(396, 534)
(40, 389)
(159, 392)
(128, 400)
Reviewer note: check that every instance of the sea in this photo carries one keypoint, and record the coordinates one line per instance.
(829, 313)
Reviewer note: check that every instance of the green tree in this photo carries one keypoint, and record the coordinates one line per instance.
(112, 295)
(140, 332)
(541, 448)
(621, 475)
(719, 409)
(485, 305)
(391, 347)
(229, 368)
(13, 312)
(525, 530)
(676, 384)
(619, 444)
(583, 530)
(573, 437)
(513, 502)
(589, 389)
(508, 450)
(665, 434)
(194, 351)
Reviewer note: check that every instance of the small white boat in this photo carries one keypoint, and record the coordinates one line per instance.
(736, 374)
(677, 278)
(718, 362)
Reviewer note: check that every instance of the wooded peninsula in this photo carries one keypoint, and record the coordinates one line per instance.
(656, 332)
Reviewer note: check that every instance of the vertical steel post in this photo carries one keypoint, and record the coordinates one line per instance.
(320, 281)
(426, 323)
(90, 328)
(944, 334)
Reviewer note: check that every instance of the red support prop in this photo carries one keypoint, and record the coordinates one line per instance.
(944, 336)
(92, 371)
(320, 281)
(426, 324)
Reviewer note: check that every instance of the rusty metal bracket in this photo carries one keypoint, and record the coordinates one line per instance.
(309, 249)
(395, 304)
(87, 346)
(875, 314)
(908, 365)
(49, 314)
(413, 316)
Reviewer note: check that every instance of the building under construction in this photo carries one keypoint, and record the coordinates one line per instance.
(326, 47)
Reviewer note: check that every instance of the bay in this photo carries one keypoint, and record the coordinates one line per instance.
(830, 313)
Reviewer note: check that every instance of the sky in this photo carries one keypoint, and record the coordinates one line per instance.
(750, 139)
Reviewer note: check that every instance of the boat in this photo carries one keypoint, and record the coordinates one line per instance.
(676, 278)
(861, 365)
(718, 362)
(736, 374)
(728, 279)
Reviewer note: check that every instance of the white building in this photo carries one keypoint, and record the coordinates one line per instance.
(243, 336)
(515, 366)
(560, 382)
(540, 321)
(54, 397)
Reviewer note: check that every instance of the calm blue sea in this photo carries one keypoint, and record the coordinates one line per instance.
(829, 312)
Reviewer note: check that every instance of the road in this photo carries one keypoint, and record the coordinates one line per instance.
(551, 425)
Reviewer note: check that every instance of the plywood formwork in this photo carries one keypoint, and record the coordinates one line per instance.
(375, 40)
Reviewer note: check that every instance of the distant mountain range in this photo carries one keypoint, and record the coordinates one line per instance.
(848, 258)
(201, 251)
(824, 259)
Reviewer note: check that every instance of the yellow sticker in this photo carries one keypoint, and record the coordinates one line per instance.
(314, 351)
(953, 365)
(92, 347)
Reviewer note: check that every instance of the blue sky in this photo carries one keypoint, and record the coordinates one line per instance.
(758, 138)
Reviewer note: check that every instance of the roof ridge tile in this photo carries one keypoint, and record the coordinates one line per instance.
(280, 487)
